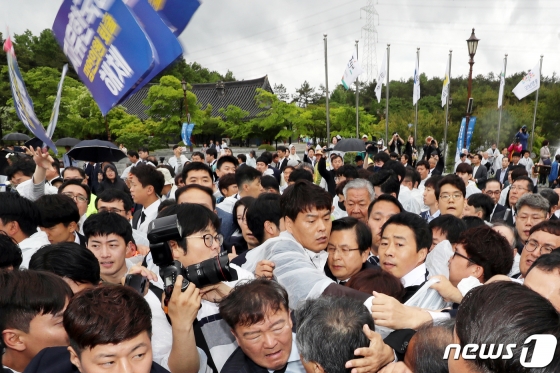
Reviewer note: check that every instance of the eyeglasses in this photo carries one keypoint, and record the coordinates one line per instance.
(209, 239)
(532, 245)
(77, 198)
(81, 180)
(105, 209)
(492, 193)
(446, 197)
(344, 251)
(515, 187)
(464, 257)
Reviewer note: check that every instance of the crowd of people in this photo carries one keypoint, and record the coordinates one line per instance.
(315, 265)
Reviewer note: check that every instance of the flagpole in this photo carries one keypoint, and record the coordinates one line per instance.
(357, 100)
(536, 103)
(416, 105)
(387, 99)
(447, 115)
(502, 105)
(327, 90)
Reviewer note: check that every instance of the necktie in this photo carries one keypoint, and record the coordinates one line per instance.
(142, 218)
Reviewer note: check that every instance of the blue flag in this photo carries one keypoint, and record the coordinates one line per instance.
(22, 101)
(107, 47)
(166, 46)
(186, 133)
(175, 13)
(461, 138)
(56, 106)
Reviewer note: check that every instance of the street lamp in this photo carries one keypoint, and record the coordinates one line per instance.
(184, 86)
(472, 44)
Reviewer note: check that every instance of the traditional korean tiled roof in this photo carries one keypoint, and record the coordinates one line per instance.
(219, 95)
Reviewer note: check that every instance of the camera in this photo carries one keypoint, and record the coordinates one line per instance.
(208, 272)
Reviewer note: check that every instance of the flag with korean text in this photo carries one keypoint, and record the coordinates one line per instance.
(445, 88)
(107, 47)
(501, 91)
(56, 106)
(352, 72)
(22, 101)
(381, 78)
(416, 89)
(176, 14)
(529, 84)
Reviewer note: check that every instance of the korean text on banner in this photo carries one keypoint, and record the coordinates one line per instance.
(106, 45)
(461, 137)
(176, 14)
(352, 72)
(529, 84)
(186, 133)
(166, 46)
(22, 101)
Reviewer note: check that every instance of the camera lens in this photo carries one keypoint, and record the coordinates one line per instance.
(211, 271)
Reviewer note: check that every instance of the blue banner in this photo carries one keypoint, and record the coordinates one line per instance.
(461, 137)
(56, 106)
(22, 101)
(166, 46)
(186, 133)
(175, 13)
(107, 47)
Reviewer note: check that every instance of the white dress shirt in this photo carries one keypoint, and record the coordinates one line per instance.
(30, 245)
(151, 213)
(415, 277)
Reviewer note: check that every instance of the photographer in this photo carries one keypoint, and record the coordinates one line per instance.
(523, 136)
(200, 241)
(396, 143)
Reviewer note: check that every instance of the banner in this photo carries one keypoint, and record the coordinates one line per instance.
(54, 114)
(107, 47)
(176, 14)
(445, 89)
(461, 138)
(352, 72)
(22, 101)
(416, 89)
(381, 78)
(501, 92)
(166, 46)
(529, 84)
(186, 133)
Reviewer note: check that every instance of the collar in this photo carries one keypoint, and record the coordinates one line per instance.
(76, 238)
(415, 277)
(318, 259)
(432, 217)
(152, 209)
(294, 354)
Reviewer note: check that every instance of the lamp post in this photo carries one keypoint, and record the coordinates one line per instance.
(472, 44)
(184, 86)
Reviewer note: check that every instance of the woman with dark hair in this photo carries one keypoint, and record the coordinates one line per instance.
(111, 180)
(410, 150)
(242, 239)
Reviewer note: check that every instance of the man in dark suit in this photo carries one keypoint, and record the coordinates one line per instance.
(502, 173)
(282, 158)
(480, 172)
(493, 188)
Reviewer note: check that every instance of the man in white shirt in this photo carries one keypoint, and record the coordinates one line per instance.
(493, 154)
(146, 184)
(144, 153)
(178, 160)
(248, 182)
(19, 219)
(134, 159)
(423, 168)
(465, 172)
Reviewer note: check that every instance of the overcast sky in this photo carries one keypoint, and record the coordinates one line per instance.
(284, 39)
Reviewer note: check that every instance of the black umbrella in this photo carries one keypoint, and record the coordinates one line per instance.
(350, 145)
(16, 136)
(34, 142)
(96, 151)
(67, 141)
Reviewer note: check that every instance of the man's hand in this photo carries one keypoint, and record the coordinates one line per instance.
(41, 159)
(215, 293)
(183, 306)
(377, 355)
(233, 254)
(399, 367)
(264, 269)
(138, 269)
(447, 291)
(389, 312)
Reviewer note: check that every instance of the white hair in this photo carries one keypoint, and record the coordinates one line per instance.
(359, 184)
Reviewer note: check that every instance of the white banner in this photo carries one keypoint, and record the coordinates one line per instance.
(381, 78)
(54, 114)
(529, 84)
(501, 92)
(445, 89)
(352, 72)
(416, 89)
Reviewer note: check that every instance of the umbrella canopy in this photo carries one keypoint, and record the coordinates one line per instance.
(96, 151)
(67, 141)
(34, 142)
(350, 145)
(16, 136)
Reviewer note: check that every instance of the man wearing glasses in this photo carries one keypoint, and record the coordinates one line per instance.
(543, 239)
(81, 194)
(521, 186)
(531, 210)
(450, 193)
(493, 189)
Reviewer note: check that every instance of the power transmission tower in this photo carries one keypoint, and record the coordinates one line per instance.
(369, 36)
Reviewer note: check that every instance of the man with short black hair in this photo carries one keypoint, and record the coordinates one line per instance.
(429, 199)
(248, 182)
(270, 184)
(553, 198)
(493, 189)
(544, 277)
(479, 205)
(198, 173)
(211, 158)
(385, 182)
(59, 219)
(81, 194)
(227, 185)
(544, 238)
(10, 253)
(465, 172)
(197, 157)
(479, 172)
(146, 184)
(19, 219)
(178, 160)
(379, 211)
(282, 157)
(450, 193)
(423, 168)
(144, 154)
(531, 209)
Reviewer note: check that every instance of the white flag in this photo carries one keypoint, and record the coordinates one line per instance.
(381, 78)
(445, 89)
(501, 92)
(529, 84)
(416, 89)
(352, 72)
